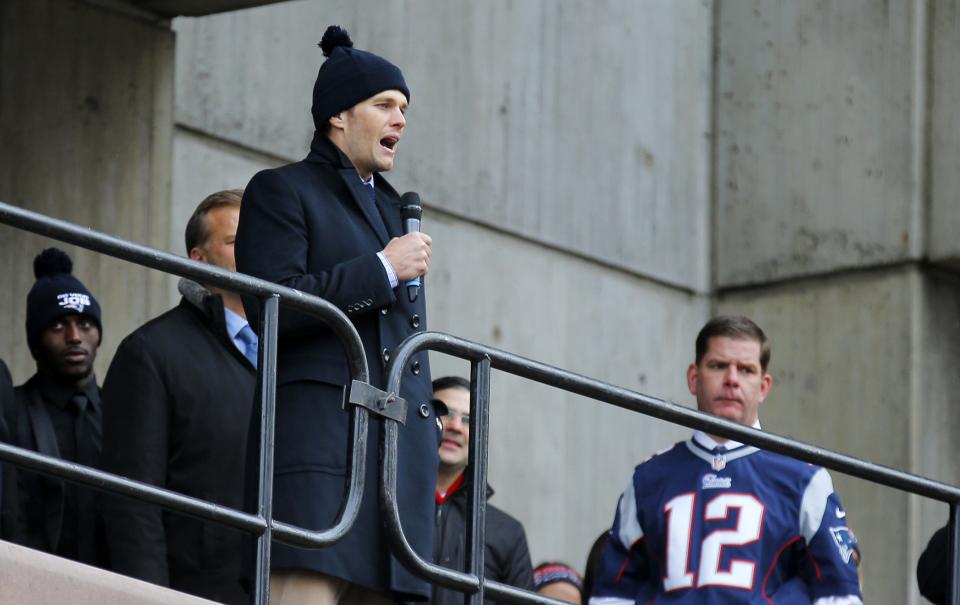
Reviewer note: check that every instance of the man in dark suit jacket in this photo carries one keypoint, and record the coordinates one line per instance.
(330, 226)
(7, 491)
(177, 403)
(58, 412)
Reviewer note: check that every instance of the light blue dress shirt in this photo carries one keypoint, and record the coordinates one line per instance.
(235, 325)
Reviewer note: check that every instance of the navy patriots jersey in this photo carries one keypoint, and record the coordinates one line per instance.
(744, 526)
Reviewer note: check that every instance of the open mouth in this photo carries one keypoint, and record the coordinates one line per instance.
(390, 142)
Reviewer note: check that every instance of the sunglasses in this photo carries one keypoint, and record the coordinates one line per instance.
(444, 412)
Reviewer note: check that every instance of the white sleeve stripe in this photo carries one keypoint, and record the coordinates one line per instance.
(630, 530)
(814, 504)
(846, 600)
(610, 601)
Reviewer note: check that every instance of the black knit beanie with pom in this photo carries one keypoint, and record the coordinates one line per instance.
(55, 294)
(350, 75)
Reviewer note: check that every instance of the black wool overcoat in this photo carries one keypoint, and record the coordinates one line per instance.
(177, 401)
(305, 226)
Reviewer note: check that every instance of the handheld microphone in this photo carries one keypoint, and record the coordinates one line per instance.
(410, 213)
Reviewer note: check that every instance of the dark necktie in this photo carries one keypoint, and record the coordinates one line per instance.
(84, 430)
(374, 212)
(87, 435)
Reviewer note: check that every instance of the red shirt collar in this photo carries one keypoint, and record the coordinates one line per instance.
(443, 497)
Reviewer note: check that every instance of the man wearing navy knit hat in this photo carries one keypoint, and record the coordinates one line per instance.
(58, 412)
(330, 226)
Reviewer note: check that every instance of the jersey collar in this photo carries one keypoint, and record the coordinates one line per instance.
(702, 446)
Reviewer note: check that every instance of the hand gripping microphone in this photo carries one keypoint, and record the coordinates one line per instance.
(410, 213)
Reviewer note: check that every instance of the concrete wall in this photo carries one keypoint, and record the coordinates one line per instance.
(835, 182)
(815, 138)
(86, 128)
(528, 119)
(792, 161)
(599, 178)
(549, 240)
(944, 133)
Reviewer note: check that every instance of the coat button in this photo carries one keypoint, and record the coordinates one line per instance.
(424, 410)
(367, 302)
(415, 368)
(415, 320)
(385, 354)
(384, 311)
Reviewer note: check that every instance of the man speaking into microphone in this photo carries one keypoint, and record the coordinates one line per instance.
(331, 226)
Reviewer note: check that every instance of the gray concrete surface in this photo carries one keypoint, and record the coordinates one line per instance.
(554, 121)
(815, 138)
(31, 577)
(86, 118)
(599, 178)
(944, 222)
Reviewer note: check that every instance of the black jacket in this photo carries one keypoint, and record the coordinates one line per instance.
(44, 502)
(506, 558)
(177, 402)
(8, 492)
(310, 226)
(933, 567)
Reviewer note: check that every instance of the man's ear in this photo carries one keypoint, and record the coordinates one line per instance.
(336, 121)
(197, 254)
(692, 375)
(766, 383)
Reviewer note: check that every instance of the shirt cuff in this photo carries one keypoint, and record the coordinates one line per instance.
(391, 274)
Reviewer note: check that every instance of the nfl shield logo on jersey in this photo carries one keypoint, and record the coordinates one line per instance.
(719, 462)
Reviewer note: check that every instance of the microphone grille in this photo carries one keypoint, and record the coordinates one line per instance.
(410, 206)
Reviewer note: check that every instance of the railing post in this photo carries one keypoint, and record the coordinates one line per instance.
(953, 587)
(268, 390)
(477, 502)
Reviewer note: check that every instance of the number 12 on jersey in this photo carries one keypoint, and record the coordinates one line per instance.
(680, 512)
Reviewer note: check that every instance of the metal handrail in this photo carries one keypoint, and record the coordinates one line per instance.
(482, 359)
(482, 355)
(261, 524)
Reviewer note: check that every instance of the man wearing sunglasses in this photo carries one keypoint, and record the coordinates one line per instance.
(506, 557)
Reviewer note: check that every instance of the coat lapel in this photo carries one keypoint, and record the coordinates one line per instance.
(46, 440)
(389, 210)
(361, 196)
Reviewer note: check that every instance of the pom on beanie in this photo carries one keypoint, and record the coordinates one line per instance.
(51, 262)
(334, 36)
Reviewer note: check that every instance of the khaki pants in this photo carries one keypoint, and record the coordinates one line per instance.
(312, 588)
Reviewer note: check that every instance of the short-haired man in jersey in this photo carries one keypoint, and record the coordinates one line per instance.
(714, 521)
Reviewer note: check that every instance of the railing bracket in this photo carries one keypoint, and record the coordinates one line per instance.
(381, 403)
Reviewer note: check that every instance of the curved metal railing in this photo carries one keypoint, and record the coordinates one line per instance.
(365, 399)
(270, 295)
(482, 358)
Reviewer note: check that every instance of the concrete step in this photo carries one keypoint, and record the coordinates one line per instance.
(31, 577)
